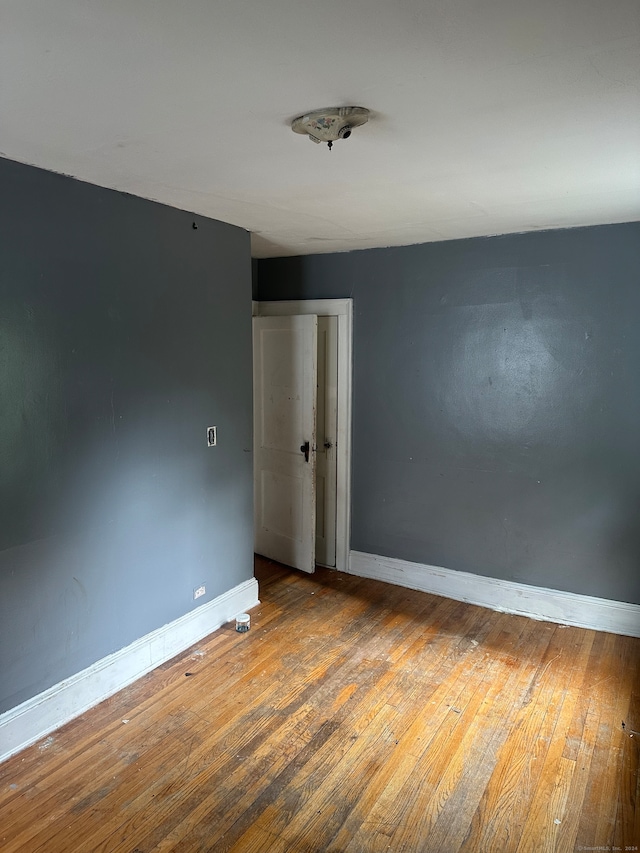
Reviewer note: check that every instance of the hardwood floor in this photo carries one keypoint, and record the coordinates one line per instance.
(354, 717)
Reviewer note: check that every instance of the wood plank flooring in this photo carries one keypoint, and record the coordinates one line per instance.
(354, 717)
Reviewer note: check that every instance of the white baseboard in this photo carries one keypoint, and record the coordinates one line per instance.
(37, 717)
(549, 605)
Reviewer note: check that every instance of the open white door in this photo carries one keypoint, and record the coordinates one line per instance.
(285, 368)
(337, 424)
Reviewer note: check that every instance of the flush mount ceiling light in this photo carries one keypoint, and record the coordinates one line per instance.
(330, 124)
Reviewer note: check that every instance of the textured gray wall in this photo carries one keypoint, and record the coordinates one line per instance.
(496, 402)
(124, 333)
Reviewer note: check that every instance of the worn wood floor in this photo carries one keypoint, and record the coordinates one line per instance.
(354, 716)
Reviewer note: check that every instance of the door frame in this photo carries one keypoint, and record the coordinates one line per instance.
(343, 310)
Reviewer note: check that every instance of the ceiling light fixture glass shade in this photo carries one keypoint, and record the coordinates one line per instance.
(330, 124)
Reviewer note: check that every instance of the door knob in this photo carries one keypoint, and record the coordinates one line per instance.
(304, 448)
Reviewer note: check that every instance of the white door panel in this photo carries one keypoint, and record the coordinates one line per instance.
(285, 370)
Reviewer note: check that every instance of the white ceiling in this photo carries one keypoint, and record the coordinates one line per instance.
(488, 116)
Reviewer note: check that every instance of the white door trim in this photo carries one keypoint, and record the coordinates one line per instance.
(343, 310)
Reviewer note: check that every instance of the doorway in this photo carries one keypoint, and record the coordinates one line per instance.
(302, 393)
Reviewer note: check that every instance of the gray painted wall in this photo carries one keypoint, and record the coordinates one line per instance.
(124, 333)
(496, 402)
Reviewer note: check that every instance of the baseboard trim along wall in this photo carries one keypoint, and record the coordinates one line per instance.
(549, 605)
(37, 717)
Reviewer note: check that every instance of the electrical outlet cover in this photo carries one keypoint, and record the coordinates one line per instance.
(212, 436)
